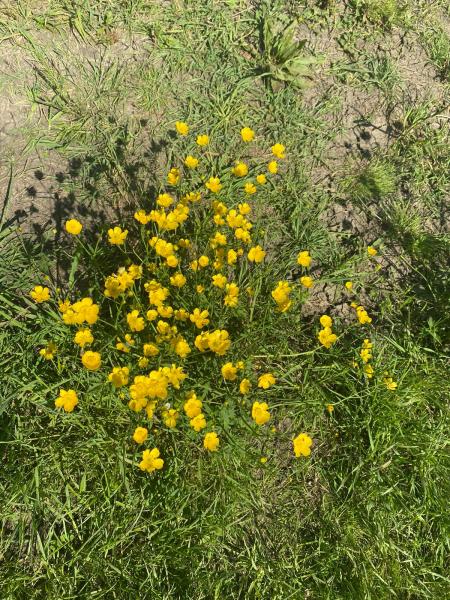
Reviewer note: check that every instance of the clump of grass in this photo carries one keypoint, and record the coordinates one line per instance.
(374, 181)
(436, 43)
(382, 12)
(382, 73)
(385, 11)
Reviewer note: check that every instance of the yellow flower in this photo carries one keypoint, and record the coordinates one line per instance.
(178, 280)
(349, 285)
(117, 284)
(150, 350)
(166, 312)
(244, 208)
(219, 207)
(368, 370)
(73, 227)
(135, 322)
(390, 383)
(272, 167)
(232, 257)
(170, 417)
(164, 200)
(243, 235)
(203, 261)
(63, 306)
(307, 281)
(304, 259)
(214, 185)
(181, 347)
(263, 460)
(143, 363)
(181, 314)
(91, 360)
(232, 295)
(173, 176)
(67, 400)
(266, 380)
(240, 169)
(135, 271)
(198, 423)
(116, 236)
(83, 337)
(192, 406)
(229, 371)
(281, 296)
(260, 413)
(278, 150)
(119, 376)
(211, 441)
(140, 435)
(152, 314)
(362, 315)
(49, 351)
(202, 140)
(256, 254)
(163, 329)
(330, 408)
(218, 341)
(302, 445)
(234, 219)
(218, 239)
(40, 294)
(191, 162)
(371, 251)
(366, 351)
(150, 409)
(219, 281)
(172, 261)
(142, 217)
(326, 321)
(202, 341)
(192, 197)
(218, 220)
(261, 179)
(244, 386)
(82, 311)
(173, 375)
(182, 127)
(247, 134)
(199, 318)
(250, 188)
(151, 461)
(326, 337)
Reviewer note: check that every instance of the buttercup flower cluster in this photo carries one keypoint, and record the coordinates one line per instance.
(188, 269)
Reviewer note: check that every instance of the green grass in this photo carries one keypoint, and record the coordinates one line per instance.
(365, 516)
(437, 45)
